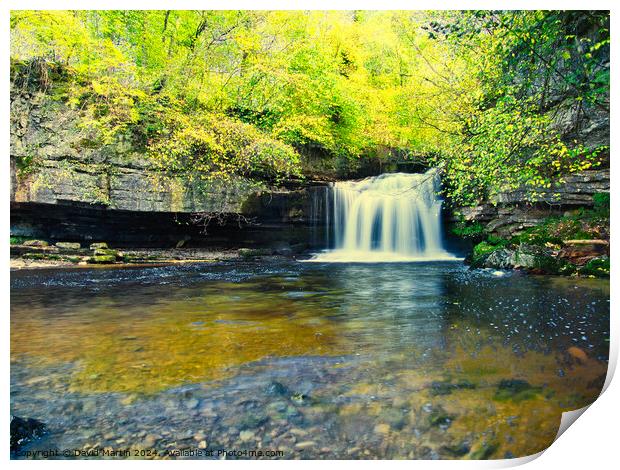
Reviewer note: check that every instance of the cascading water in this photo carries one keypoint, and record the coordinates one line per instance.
(387, 218)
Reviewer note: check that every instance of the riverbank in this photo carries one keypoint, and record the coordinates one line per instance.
(38, 254)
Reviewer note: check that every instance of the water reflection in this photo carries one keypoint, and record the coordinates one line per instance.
(410, 360)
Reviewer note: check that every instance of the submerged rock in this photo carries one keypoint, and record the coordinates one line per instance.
(456, 450)
(438, 417)
(277, 389)
(252, 421)
(24, 430)
(515, 390)
(447, 387)
(394, 418)
(484, 451)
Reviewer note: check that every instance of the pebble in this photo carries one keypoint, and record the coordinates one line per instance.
(150, 440)
(246, 435)
(382, 428)
(305, 445)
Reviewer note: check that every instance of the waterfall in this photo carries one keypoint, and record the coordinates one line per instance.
(391, 217)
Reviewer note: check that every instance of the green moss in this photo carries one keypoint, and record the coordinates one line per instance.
(104, 259)
(598, 267)
(471, 230)
(481, 251)
(18, 240)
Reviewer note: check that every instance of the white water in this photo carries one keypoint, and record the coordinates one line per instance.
(393, 217)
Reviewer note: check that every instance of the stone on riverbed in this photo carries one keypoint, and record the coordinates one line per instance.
(252, 421)
(515, 390)
(277, 389)
(447, 387)
(484, 451)
(394, 417)
(440, 418)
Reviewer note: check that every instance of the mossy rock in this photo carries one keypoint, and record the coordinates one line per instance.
(103, 259)
(41, 256)
(69, 245)
(36, 243)
(107, 252)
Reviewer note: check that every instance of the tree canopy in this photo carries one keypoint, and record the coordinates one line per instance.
(281, 94)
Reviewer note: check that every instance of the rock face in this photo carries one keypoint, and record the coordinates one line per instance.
(510, 213)
(64, 187)
(53, 161)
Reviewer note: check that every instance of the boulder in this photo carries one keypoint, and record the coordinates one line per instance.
(24, 430)
(527, 257)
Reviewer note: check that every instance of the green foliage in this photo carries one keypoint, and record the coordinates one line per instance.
(601, 204)
(468, 229)
(530, 66)
(18, 240)
(216, 147)
(598, 267)
(257, 92)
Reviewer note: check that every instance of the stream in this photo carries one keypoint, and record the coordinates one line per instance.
(282, 359)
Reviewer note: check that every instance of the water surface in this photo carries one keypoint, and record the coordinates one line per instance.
(407, 360)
